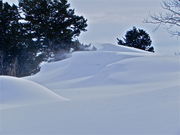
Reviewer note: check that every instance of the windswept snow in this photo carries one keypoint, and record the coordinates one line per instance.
(18, 92)
(116, 66)
(86, 65)
(113, 91)
(117, 48)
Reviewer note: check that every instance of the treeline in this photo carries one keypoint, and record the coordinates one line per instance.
(34, 31)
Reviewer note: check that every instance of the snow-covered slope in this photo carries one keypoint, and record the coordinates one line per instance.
(118, 65)
(17, 92)
(86, 64)
(113, 91)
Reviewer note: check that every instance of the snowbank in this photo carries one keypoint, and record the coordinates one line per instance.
(113, 91)
(17, 92)
(117, 48)
(84, 65)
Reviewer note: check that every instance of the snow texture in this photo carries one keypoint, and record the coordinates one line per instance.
(18, 92)
(112, 91)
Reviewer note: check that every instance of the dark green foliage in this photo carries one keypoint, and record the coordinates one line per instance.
(53, 23)
(46, 28)
(29, 62)
(83, 47)
(137, 38)
(17, 50)
(11, 37)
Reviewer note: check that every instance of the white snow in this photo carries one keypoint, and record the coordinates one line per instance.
(112, 91)
(18, 92)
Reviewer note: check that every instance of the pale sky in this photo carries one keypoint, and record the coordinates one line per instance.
(109, 19)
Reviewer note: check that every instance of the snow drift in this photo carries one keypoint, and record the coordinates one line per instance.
(113, 91)
(109, 65)
(17, 92)
(85, 64)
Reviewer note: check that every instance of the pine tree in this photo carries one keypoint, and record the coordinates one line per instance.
(17, 49)
(46, 27)
(52, 23)
(137, 38)
(10, 41)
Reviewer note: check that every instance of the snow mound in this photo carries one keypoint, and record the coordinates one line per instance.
(119, 48)
(85, 67)
(113, 91)
(15, 91)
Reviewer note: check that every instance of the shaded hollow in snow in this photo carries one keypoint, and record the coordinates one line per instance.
(16, 91)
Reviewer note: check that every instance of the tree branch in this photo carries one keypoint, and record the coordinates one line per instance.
(170, 18)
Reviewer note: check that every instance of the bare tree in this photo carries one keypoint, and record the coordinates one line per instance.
(171, 17)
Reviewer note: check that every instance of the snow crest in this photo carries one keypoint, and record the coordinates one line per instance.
(17, 91)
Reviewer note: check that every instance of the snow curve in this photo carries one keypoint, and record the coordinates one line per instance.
(16, 92)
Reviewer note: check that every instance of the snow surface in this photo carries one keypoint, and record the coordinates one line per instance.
(112, 91)
(17, 92)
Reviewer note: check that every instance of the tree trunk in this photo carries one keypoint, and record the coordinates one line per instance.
(14, 67)
(11, 67)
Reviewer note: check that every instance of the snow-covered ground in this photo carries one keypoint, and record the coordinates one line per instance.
(112, 91)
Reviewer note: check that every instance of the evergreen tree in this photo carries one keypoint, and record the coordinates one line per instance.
(18, 52)
(137, 38)
(46, 27)
(53, 24)
(11, 38)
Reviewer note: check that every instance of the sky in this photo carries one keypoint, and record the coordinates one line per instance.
(110, 19)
